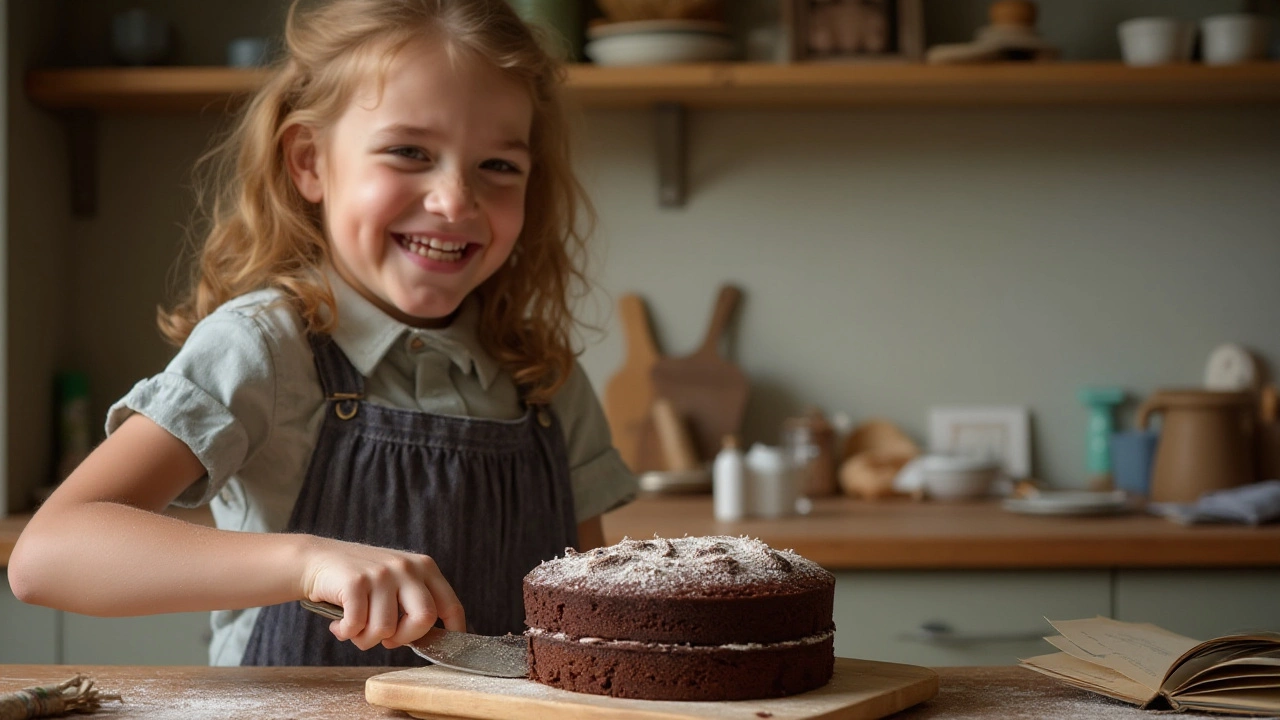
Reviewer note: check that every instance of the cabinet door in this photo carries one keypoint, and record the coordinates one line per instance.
(175, 639)
(960, 618)
(1201, 604)
(28, 634)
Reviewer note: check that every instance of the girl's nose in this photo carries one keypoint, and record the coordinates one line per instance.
(451, 197)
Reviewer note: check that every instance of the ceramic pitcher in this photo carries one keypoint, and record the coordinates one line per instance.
(1206, 442)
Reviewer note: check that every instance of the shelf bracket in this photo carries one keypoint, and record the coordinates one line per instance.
(672, 121)
(82, 151)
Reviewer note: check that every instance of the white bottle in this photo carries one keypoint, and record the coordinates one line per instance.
(771, 486)
(729, 482)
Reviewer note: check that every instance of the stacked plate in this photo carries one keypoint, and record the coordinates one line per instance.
(658, 42)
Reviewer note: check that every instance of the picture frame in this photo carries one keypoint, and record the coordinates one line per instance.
(854, 30)
(996, 432)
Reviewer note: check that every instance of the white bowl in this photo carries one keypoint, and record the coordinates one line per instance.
(950, 477)
(658, 48)
(1149, 41)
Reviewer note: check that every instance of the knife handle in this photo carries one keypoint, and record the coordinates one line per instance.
(329, 610)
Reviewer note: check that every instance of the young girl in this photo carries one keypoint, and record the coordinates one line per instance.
(375, 389)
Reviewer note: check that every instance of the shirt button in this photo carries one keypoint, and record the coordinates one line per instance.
(416, 344)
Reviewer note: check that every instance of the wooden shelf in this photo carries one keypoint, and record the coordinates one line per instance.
(187, 89)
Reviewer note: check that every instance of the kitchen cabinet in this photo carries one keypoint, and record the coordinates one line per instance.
(1200, 603)
(28, 634)
(960, 618)
(32, 634)
(171, 639)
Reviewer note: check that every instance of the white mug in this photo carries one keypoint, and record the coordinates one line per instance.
(1234, 38)
(1148, 41)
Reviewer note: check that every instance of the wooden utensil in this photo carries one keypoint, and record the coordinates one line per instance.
(629, 394)
(859, 690)
(677, 447)
(707, 390)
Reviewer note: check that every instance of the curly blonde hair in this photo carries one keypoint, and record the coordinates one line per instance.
(263, 234)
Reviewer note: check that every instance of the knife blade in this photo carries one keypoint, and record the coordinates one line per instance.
(496, 656)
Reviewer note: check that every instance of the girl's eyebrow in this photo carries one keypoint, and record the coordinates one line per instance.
(404, 129)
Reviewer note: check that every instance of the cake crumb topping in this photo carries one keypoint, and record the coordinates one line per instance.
(687, 565)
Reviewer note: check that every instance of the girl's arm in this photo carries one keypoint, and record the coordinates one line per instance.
(100, 546)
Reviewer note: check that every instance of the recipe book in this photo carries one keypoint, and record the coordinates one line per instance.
(1149, 666)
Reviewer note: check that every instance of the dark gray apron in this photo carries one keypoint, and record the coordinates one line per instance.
(487, 499)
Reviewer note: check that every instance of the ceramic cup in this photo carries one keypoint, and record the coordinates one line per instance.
(1149, 41)
(1132, 453)
(247, 52)
(1234, 38)
(139, 37)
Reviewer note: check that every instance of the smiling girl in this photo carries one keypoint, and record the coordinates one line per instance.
(375, 389)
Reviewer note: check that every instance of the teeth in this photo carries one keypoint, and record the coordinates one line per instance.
(434, 248)
(435, 243)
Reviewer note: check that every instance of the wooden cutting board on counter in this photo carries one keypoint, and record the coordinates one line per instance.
(709, 392)
(628, 396)
(859, 690)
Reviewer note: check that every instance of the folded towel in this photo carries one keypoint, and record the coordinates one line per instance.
(1252, 504)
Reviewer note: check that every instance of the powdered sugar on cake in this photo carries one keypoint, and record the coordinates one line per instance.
(678, 566)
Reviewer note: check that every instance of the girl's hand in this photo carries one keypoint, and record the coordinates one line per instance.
(387, 596)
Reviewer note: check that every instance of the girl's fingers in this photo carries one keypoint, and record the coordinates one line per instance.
(447, 606)
(384, 615)
(419, 614)
(355, 615)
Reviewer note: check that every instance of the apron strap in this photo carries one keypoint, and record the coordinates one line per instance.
(338, 377)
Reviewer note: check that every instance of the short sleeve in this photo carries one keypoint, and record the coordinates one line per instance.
(601, 481)
(217, 396)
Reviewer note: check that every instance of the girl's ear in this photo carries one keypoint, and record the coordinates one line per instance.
(300, 156)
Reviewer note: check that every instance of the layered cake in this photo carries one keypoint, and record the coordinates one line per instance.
(693, 618)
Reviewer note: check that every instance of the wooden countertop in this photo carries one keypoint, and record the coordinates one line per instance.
(200, 693)
(846, 534)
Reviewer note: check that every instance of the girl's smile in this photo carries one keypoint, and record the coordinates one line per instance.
(421, 181)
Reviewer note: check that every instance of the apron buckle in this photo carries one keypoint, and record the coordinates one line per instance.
(346, 405)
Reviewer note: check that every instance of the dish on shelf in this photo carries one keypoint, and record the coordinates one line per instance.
(658, 48)
(651, 26)
(1070, 502)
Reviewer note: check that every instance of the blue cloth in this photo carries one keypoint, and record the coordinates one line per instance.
(1253, 504)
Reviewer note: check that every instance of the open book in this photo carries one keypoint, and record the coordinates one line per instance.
(1148, 666)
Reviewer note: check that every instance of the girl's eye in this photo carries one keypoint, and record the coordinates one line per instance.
(409, 153)
(501, 166)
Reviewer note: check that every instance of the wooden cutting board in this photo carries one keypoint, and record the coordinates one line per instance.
(859, 690)
(708, 391)
(628, 396)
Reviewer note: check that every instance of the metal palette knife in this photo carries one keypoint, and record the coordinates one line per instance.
(496, 656)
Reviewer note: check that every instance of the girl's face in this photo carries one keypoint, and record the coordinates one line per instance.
(422, 188)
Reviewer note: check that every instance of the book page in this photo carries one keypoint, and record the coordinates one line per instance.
(1089, 676)
(1141, 652)
(1219, 661)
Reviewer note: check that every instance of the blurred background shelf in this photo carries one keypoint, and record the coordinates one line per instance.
(741, 85)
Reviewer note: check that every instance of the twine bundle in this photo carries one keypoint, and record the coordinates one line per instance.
(75, 695)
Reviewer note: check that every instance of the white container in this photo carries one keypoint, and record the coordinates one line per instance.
(1147, 41)
(953, 477)
(771, 485)
(729, 482)
(1234, 38)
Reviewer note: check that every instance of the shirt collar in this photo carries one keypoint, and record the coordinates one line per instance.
(365, 334)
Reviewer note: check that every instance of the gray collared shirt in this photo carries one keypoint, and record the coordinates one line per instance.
(244, 395)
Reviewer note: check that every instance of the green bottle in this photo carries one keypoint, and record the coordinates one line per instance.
(1101, 402)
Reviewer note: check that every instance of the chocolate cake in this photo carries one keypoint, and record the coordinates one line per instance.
(693, 618)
